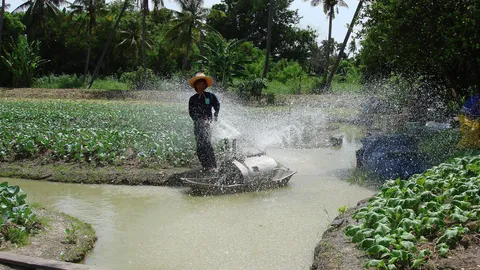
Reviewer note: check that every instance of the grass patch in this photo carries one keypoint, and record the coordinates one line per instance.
(110, 83)
(81, 235)
(346, 87)
(74, 82)
(16, 235)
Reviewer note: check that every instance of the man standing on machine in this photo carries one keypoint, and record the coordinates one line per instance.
(200, 109)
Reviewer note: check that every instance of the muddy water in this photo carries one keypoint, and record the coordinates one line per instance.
(165, 228)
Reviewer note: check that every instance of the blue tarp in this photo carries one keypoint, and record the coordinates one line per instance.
(471, 108)
(391, 156)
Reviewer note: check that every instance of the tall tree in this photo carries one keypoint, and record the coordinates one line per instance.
(90, 8)
(2, 11)
(144, 50)
(37, 11)
(344, 44)
(329, 9)
(107, 43)
(269, 38)
(158, 4)
(434, 41)
(249, 19)
(186, 27)
(131, 40)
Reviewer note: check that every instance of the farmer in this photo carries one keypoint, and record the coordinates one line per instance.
(200, 109)
(469, 118)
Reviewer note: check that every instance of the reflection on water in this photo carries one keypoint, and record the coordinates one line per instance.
(165, 228)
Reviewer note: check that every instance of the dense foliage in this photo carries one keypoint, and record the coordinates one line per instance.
(17, 219)
(96, 133)
(410, 221)
(426, 41)
(248, 19)
(72, 39)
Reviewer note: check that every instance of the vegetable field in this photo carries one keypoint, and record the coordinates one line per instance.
(411, 221)
(97, 133)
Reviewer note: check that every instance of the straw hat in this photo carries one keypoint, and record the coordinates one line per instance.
(199, 76)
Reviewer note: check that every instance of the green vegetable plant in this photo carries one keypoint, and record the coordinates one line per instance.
(17, 219)
(71, 234)
(96, 133)
(431, 207)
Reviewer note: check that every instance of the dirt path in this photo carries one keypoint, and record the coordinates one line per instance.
(73, 173)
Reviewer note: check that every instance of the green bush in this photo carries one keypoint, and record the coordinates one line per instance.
(23, 61)
(279, 88)
(286, 71)
(136, 78)
(252, 87)
(110, 83)
(62, 81)
(75, 82)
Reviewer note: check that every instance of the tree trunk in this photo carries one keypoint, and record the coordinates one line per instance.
(144, 49)
(110, 37)
(202, 41)
(189, 43)
(269, 38)
(347, 36)
(2, 12)
(327, 54)
(87, 63)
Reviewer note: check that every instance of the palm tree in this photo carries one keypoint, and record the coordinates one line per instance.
(269, 38)
(107, 43)
(344, 44)
(131, 36)
(329, 9)
(2, 12)
(38, 10)
(187, 25)
(158, 4)
(90, 8)
(144, 50)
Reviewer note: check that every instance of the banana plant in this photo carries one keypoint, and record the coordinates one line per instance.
(223, 58)
(23, 61)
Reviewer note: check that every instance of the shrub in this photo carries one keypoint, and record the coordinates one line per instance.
(136, 78)
(62, 81)
(24, 61)
(253, 87)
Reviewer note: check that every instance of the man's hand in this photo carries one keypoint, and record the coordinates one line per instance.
(215, 118)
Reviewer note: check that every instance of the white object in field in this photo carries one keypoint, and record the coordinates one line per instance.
(223, 130)
(256, 169)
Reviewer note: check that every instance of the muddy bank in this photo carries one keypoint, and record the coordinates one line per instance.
(52, 242)
(336, 252)
(73, 173)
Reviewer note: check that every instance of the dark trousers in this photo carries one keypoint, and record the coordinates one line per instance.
(204, 145)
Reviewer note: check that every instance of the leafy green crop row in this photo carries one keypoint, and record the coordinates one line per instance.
(436, 207)
(17, 218)
(96, 133)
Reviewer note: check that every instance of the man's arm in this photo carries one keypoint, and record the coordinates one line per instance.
(191, 110)
(216, 107)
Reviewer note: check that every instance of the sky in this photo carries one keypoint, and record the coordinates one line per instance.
(311, 16)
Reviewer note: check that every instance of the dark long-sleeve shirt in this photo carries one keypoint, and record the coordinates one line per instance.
(200, 107)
